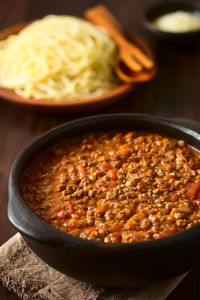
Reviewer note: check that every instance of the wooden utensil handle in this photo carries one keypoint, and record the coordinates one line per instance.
(101, 10)
(101, 16)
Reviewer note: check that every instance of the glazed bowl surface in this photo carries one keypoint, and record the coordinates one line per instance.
(99, 263)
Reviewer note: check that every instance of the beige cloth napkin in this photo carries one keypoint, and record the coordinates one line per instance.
(23, 273)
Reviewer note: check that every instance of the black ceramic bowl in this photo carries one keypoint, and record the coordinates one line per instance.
(185, 38)
(99, 263)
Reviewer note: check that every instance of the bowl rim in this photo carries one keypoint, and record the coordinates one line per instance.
(147, 20)
(48, 233)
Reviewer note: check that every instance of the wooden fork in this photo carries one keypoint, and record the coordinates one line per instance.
(130, 54)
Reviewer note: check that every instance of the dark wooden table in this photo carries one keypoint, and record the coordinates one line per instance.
(175, 92)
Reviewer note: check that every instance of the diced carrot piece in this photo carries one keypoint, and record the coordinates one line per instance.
(81, 170)
(117, 138)
(112, 183)
(72, 223)
(124, 150)
(116, 227)
(112, 174)
(101, 209)
(104, 166)
(192, 189)
(139, 235)
(62, 214)
(92, 230)
(57, 208)
(174, 197)
(170, 230)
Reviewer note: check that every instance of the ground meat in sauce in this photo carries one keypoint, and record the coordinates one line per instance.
(116, 187)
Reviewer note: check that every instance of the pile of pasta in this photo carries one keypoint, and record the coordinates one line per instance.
(58, 57)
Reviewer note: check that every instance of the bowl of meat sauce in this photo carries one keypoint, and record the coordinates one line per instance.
(111, 199)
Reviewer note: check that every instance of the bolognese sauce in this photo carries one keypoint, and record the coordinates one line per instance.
(116, 186)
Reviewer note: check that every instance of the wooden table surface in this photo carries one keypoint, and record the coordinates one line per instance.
(175, 92)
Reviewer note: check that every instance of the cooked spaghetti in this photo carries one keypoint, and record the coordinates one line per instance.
(58, 57)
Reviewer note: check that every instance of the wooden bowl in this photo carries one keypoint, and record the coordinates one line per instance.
(74, 105)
